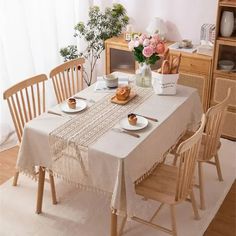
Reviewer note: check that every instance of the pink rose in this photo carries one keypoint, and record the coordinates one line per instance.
(140, 41)
(143, 36)
(153, 43)
(148, 51)
(136, 43)
(156, 37)
(146, 42)
(160, 47)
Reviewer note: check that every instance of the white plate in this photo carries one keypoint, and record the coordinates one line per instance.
(80, 105)
(141, 123)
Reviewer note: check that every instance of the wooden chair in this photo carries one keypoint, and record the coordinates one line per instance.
(67, 79)
(172, 185)
(26, 100)
(210, 142)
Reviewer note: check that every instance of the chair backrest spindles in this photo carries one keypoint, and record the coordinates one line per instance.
(26, 104)
(44, 97)
(188, 152)
(73, 79)
(18, 107)
(64, 84)
(214, 124)
(33, 100)
(66, 79)
(38, 97)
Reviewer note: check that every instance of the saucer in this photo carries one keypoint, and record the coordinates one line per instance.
(141, 123)
(80, 105)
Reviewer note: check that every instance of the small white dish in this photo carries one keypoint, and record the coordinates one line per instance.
(226, 65)
(80, 105)
(141, 123)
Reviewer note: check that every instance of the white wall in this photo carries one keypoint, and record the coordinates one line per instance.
(183, 17)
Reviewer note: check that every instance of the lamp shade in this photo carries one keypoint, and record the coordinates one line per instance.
(157, 26)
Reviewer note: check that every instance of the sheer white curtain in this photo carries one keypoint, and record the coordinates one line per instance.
(31, 35)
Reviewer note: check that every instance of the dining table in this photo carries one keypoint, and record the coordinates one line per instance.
(92, 150)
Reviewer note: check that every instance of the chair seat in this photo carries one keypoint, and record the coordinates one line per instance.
(160, 185)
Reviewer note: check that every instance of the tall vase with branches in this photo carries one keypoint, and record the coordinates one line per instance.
(100, 26)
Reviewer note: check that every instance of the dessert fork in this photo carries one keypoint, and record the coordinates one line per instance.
(86, 99)
(147, 117)
(59, 114)
(120, 130)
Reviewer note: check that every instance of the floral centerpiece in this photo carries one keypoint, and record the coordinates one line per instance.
(146, 50)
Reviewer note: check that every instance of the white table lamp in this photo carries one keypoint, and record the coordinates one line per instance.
(157, 26)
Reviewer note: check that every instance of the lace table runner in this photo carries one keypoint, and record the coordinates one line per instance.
(69, 142)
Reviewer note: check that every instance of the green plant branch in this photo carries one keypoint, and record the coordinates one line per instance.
(100, 26)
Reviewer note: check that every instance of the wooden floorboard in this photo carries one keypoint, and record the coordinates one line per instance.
(7, 164)
(223, 224)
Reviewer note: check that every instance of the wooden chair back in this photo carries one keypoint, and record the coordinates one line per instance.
(188, 152)
(26, 100)
(67, 79)
(213, 130)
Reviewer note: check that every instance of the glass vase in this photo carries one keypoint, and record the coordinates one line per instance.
(144, 75)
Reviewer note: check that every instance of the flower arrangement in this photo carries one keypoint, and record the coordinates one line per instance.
(146, 48)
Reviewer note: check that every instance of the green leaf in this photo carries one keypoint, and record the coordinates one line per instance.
(99, 27)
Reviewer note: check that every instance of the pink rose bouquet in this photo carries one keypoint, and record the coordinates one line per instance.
(146, 48)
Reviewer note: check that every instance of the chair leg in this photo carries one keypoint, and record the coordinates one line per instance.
(41, 181)
(194, 205)
(15, 179)
(173, 220)
(122, 225)
(218, 167)
(201, 186)
(53, 190)
(113, 223)
(157, 211)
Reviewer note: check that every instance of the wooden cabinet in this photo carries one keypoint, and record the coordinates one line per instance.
(195, 69)
(225, 49)
(118, 56)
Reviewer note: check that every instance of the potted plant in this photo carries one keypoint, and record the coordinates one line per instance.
(100, 26)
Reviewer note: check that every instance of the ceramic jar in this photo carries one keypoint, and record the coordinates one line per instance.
(227, 23)
(144, 75)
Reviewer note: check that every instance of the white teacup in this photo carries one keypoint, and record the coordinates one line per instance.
(185, 43)
(111, 81)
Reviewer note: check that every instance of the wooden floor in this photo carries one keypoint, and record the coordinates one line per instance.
(223, 224)
(7, 164)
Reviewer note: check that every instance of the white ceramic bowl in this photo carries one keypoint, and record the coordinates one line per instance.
(111, 81)
(226, 65)
(185, 44)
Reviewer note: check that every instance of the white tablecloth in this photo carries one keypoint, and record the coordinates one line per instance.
(117, 160)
